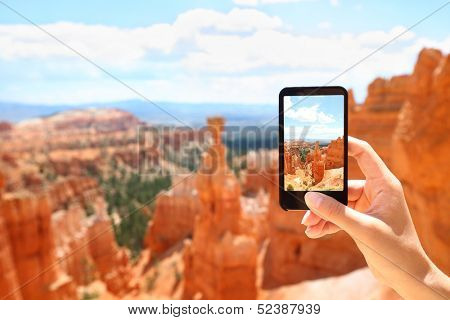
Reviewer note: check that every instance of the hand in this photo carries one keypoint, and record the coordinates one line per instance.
(378, 219)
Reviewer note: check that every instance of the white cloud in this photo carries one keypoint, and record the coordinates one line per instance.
(334, 3)
(258, 2)
(125, 45)
(238, 53)
(310, 114)
(324, 25)
(315, 131)
(244, 55)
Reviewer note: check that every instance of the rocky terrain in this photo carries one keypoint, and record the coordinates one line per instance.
(78, 222)
(406, 120)
(311, 167)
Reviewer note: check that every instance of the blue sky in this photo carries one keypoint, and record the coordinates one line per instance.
(323, 115)
(232, 51)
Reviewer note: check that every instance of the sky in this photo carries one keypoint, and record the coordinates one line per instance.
(229, 51)
(322, 115)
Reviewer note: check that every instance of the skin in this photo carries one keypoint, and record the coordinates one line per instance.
(378, 219)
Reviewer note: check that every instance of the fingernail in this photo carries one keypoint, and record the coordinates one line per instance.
(309, 232)
(313, 199)
(305, 216)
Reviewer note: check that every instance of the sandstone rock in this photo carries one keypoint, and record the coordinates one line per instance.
(422, 150)
(387, 95)
(111, 262)
(9, 283)
(335, 154)
(255, 177)
(174, 216)
(412, 143)
(219, 252)
(104, 119)
(317, 165)
(5, 126)
(72, 244)
(375, 120)
(28, 223)
(351, 101)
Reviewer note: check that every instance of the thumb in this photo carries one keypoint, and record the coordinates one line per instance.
(329, 209)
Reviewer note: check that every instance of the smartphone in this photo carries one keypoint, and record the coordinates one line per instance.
(313, 142)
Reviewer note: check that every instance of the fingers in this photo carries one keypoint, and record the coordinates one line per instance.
(355, 189)
(316, 227)
(368, 160)
(321, 229)
(331, 210)
(310, 219)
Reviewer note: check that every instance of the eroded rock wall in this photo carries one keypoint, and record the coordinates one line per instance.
(421, 152)
(174, 216)
(220, 261)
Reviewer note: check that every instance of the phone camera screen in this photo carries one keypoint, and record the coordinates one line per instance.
(314, 143)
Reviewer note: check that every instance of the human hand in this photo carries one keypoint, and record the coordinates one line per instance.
(378, 219)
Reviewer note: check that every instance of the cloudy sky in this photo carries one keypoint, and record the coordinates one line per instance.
(322, 115)
(232, 51)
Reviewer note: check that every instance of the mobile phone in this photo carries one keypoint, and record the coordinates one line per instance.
(313, 143)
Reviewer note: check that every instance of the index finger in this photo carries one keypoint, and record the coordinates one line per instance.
(368, 160)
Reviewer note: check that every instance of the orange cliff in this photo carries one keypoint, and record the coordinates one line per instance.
(112, 262)
(9, 282)
(375, 120)
(317, 165)
(174, 215)
(421, 152)
(28, 223)
(220, 261)
(334, 155)
(406, 121)
(40, 263)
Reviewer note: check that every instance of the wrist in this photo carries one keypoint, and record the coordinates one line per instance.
(438, 281)
(427, 282)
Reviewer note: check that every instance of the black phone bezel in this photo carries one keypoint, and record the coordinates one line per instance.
(294, 200)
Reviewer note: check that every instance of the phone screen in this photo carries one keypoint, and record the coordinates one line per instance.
(314, 139)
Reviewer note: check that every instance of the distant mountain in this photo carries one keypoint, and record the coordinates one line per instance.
(193, 114)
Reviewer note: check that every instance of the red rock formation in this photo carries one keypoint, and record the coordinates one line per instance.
(102, 119)
(220, 262)
(421, 152)
(27, 221)
(351, 101)
(72, 244)
(412, 143)
(387, 94)
(375, 120)
(111, 262)
(5, 126)
(73, 189)
(174, 215)
(9, 282)
(335, 154)
(289, 160)
(317, 165)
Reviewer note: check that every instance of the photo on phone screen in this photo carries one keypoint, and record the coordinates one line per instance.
(314, 143)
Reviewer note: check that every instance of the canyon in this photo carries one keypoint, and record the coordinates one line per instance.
(312, 167)
(66, 218)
